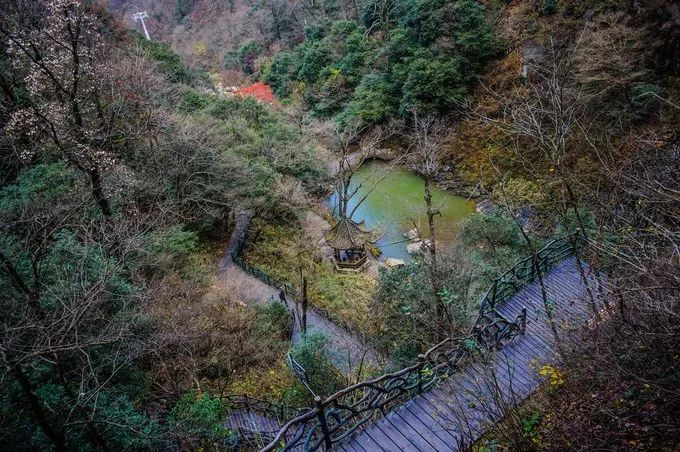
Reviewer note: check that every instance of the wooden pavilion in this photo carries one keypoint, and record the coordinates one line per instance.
(348, 240)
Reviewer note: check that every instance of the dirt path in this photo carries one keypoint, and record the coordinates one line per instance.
(352, 159)
(348, 351)
(356, 157)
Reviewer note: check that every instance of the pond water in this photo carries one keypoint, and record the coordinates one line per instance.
(397, 203)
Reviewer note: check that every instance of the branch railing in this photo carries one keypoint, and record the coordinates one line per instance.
(340, 415)
(268, 408)
(526, 270)
(265, 408)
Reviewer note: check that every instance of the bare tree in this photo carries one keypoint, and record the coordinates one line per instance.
(62, 318)
(548, 111)
(609, 58)
(382, 13)
(427, 139)
(355, 146)
(511, 209)
(69, 107)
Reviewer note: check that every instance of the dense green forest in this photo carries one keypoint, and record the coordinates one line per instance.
(415, 56)
(125, 168)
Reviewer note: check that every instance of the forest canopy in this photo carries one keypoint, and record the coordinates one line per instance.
(419, 55)
(162, 231)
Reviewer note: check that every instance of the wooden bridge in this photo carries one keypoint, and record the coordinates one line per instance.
(458, 388)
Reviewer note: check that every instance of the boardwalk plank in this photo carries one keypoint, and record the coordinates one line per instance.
(378, 437)
(423, 430)
(467, 397)
(354, 444)
(427, 419)
(406, 429)
(366, 442)
(439, 423)
(401, 436)
(508, 377)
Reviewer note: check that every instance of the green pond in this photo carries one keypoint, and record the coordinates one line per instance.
(396, 204)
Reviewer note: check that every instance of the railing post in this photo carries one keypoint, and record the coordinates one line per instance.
(538, 266)
(523, 322)
(304, 306)
(421, 362)
(493, 294)
(322, 420)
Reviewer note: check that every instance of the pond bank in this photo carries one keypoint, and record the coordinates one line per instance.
(395, 205)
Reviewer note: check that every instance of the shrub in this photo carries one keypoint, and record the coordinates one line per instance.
(548, 7)
(433, 84)
(201, 416)
(371, 102)
(37, 186)
(275, 383)
(169, 63)
(490, 231)
(644, 98)
(178, 244)
(247, 54)
(231, 60)
(182, 8)
(281, 73)
(191, 101)
(271, 321)
(313, 354)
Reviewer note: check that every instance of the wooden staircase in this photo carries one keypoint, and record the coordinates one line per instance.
(459, 387)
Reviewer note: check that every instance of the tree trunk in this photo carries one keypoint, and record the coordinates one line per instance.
(546, 304)
(440, 309)
(304, 306)
(582, 227)
(57, 437)
(544, 293)
(535, 263)
(18, 282)
(571, 200)
(430, 222)
(92, 430)
(584, 278)
(98, 192)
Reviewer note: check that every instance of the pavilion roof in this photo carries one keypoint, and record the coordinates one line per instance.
(346, 234)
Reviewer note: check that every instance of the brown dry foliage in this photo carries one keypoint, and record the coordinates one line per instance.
(203, 338)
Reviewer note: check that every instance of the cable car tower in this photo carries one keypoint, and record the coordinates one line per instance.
(141, 16)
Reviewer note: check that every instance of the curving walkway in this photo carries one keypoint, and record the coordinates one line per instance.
(348, 351)
(451, 417)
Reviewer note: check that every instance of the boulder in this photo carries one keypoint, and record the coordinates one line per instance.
(486, 207)
(413, 248)
(413, 235)
(391, 262)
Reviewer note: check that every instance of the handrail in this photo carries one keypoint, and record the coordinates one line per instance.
(264, 407)
(524, 271)
(341, 414)
(300, 372)
(276, 411)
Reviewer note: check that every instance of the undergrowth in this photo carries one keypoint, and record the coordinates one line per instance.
(282, 252)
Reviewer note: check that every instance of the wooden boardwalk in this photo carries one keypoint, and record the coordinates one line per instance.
(252, 427)
(457, 412)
